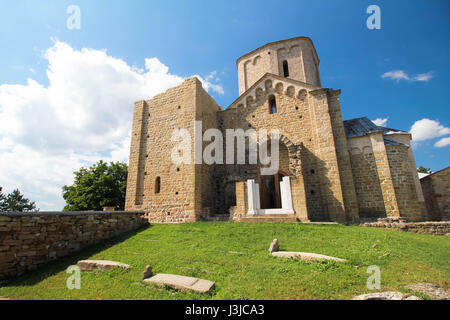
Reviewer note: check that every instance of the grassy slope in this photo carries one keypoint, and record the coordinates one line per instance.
(235, 256)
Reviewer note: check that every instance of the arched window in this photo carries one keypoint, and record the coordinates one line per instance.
(285, 68)
(272, 104)
(158, 185)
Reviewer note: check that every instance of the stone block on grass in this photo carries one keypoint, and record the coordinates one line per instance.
(181, 283)
(305, 256)
(100, 265)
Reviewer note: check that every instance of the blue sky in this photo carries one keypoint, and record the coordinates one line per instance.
(200, 37)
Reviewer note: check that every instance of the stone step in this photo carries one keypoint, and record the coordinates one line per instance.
(320, 222)
(270, 218)
(218, 217)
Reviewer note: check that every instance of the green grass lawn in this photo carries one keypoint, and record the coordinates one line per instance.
(235, 256)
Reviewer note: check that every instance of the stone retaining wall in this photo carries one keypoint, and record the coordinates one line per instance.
(28, 240)
(430, 227)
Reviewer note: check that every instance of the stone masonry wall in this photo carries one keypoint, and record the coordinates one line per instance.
(305, 126)
(403, 181)
(138, 153)
(298, 52)
(343, 156)
(436, 190)
(384, 174)
(206, 111)
(405, 138)
(331, 178)
(241, 207)
(154, 123)
(313, 153)
(434, 212)
(365, 174)
(429, 227)
(28, 240)
(324, 139)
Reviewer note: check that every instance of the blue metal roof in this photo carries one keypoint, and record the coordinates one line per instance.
(362, 126)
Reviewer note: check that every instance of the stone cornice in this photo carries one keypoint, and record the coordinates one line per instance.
(278, 78)
(333, 93)
(64, 213)
(319, 91)
(396, 132)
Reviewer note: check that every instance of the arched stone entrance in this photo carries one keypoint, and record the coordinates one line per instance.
(271, 194)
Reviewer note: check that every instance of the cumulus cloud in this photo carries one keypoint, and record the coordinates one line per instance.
(82, 116)
(40, 175)
(211, 83)
(428, 129)
(382, 122)
(442, 143)
(398, 75)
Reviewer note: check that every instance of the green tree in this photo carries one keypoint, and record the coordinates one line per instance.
(15, 201)
(3, 203)
(101, 185)
(424, 170)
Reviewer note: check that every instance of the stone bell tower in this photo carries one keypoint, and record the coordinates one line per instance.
(294, 58)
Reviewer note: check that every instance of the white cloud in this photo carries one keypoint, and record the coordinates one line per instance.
(423, 77)
(443, 142)
(82, 116)
(382, 122)
(153, 65)
(210, 82)
(398, 75)
(428, 129)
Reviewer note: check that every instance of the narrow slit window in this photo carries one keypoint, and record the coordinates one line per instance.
(272, 104)
(285, 68)
(158, 185)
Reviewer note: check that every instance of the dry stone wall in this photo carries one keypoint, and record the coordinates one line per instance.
(428, 227)
(28, 240)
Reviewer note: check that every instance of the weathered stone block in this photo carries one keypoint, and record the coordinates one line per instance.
(181, 283)
(305, 256)
(95, 265)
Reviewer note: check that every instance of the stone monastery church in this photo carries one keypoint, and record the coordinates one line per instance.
(329, 169)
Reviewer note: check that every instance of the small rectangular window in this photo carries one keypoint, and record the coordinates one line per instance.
(285, 68)
(158, 185)
(272, 105)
